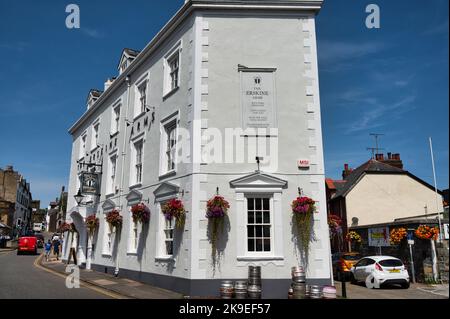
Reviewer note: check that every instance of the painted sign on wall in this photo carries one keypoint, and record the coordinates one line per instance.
(258, 98)
(379, 237)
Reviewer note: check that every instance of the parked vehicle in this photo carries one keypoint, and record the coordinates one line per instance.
(378, 271)
(343, 262)
(27, 244)
(41, 239)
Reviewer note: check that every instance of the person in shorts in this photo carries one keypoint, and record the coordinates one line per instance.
(48, 249)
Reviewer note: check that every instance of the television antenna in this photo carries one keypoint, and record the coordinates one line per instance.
(376, 149)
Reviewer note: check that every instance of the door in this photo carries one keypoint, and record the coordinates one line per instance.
(360, 269)
(368, 269)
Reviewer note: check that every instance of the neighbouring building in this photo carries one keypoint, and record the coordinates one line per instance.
(37, 214)
(15, 201)
(379, 196)
(56, 212)
(218, 68)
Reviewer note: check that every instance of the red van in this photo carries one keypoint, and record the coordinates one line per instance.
(27, 244)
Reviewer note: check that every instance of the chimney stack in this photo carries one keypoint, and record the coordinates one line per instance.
(393, 160)
(346, 171)
(379, 157)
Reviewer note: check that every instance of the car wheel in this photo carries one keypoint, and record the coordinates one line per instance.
(405, 285)
(19, 252)
(370, 282)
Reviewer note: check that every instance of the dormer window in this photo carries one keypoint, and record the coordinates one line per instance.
(124, 65)
(128, 55)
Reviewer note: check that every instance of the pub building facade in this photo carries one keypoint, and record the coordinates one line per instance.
(224, 100)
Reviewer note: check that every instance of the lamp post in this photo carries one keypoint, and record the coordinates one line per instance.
(79, 199)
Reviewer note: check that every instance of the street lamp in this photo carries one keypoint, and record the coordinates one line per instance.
(78, 197)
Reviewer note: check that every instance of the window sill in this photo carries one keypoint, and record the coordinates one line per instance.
(109, 195)
(170, 93)
(168, 174)
(135, 186)
(138, 116)
(106, 254)
(111, 135)
(261, 258)
(165, 259)
(132, 253)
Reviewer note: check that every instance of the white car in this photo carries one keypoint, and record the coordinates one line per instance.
(376, 271)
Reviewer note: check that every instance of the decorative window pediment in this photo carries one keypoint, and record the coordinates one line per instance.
(166, 190)
(108, 205)
(258, 180)
(134, 197)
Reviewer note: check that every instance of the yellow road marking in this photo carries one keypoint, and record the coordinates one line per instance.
(82, 283)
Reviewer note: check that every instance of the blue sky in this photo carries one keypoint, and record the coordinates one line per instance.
(392, 80)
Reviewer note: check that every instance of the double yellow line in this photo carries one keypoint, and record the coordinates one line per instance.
(37, 264)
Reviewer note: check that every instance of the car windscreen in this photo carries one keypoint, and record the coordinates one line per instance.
(352, 257)
(390, 263)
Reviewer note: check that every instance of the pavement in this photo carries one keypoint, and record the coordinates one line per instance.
(415, 291)
(125, 288)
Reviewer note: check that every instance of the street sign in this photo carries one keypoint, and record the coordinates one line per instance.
(410, 242)
(90, 183)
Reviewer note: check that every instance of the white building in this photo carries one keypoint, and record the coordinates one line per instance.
(216, 66)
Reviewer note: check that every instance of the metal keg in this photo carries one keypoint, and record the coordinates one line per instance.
(308, 292)
(254, 275)
(226, 289)
(298, 274)
(299, 290)
(254, 291)
(240, 290)
(316, 292)
(329, 292)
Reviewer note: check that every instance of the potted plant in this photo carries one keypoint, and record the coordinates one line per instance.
(427, 232)
(216, 210)
(335, 224)
(397, 235)
(114, 219)
(141, 213)
(174, 208)
(91, 224)
(303, 209)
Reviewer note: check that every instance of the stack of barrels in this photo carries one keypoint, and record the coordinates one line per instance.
(329, 292)
(298, 283)
(254, 282)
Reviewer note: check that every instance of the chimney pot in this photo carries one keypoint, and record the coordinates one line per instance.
(389, 155)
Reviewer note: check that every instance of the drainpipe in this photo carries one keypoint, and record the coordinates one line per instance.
(127, 81)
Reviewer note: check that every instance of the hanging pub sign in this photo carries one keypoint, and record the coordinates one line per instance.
(90, 183)
(379, 237)
(258, 98)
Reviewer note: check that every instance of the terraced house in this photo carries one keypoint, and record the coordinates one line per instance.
(223, 100)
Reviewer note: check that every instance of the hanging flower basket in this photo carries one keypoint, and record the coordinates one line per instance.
(92, 224)
(114, 218)
(427, 232)
(64, 227)
(174, 208)
(353, 237)
(141, 213)
(216, 209)
(397, 235)
(335, 224)
(302, 210)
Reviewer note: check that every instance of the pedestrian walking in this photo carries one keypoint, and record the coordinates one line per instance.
(48, 249)
(56, 245)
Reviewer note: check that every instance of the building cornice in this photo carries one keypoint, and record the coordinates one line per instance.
(180, 16)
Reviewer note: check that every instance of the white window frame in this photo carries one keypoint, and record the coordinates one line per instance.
(134, 234)
(139, 109)
(112, 174)
(259, 253)
(107, 238)
(164, 159)
(133, 167)
(167, 87)
(115, 118)
(95, 132)
(162, 238)
(83, 141)
(276, 254)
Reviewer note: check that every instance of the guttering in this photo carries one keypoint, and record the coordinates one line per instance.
(179, 17)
